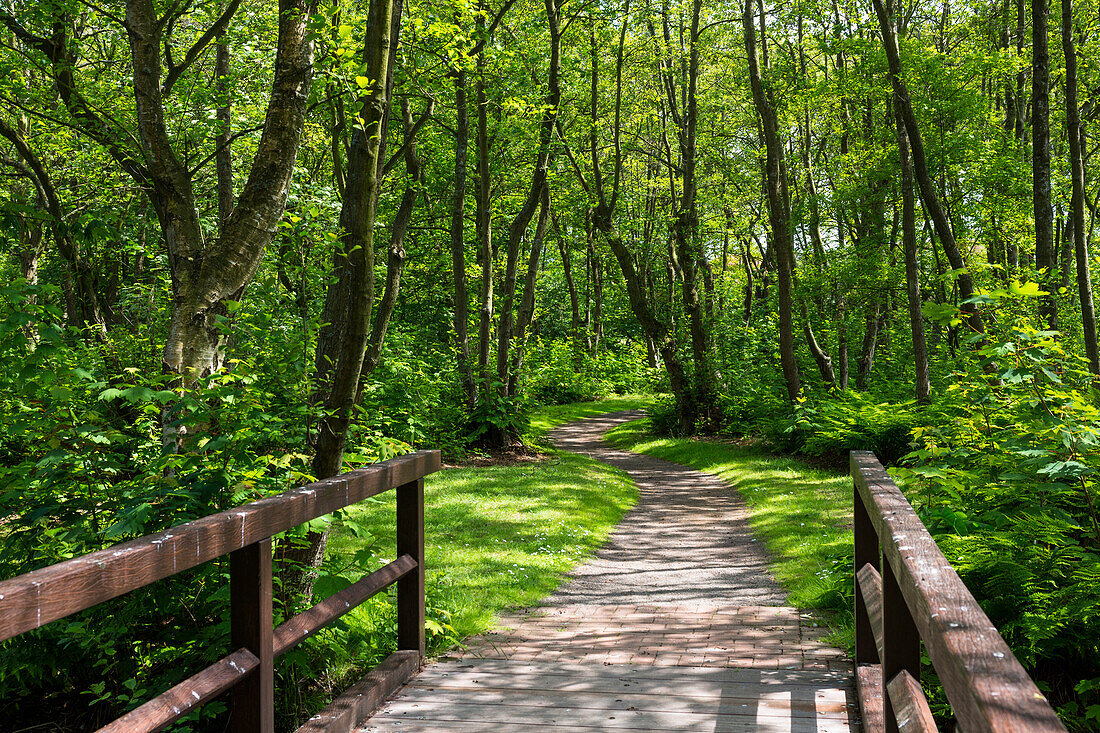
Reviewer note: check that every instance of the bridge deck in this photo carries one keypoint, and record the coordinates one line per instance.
(676, 625)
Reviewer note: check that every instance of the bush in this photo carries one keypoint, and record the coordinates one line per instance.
(833, 427)
(664, 419)
(556, 376)
(1004, 476)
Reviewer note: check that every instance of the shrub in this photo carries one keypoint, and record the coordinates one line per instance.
(558, 376)
(1004, 477)
(664, 419)
(834, 426)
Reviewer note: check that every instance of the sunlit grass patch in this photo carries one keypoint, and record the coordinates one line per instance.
(496, 537)
(802, 513)
(501, 537)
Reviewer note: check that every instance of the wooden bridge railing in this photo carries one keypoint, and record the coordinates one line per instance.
(919, 596)
(244, 533)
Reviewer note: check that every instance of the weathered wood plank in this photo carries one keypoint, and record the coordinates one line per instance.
(910, 705)
(865, 554)
(45, 595)
(459, 717)
(345, 713)
(250, 627)
(869, 684)
(468, 695)
(410, 588)
(900, 639)
(577, 672)
(988, 689)
(173, 704)
(772, 701)
(307, 623)
(870, 586)
(686, 689)
(413, 725)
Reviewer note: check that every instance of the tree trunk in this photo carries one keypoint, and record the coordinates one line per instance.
(395, 258)
(1046, 257)
(223, 141)
(527, 302)
(484, 228)
(842, 345)
(574, 300)
(824, 362)
(458, 243)
(867, 352)
(921, 382)
(342, 341)
(1077, 200)
(920, 167)
(778, 207)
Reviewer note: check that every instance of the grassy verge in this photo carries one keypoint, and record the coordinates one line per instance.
(497, 537)
(803, 514)
(500, 537)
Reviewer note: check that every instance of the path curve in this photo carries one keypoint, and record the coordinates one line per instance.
(687, 539)
(676, 624)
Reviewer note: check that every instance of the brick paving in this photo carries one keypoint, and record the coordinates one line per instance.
(682, 588)
(692, 635)
(690, 581)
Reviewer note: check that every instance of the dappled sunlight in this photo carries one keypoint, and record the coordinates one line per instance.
(803, 513)
(501, 537)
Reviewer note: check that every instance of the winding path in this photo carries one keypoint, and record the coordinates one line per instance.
(676, 624)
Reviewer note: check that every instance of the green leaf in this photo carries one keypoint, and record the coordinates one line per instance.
(1027, 290)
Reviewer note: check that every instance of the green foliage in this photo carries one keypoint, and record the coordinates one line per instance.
(831, 427)
(560, 376)
(84, 464)
(664, 417)
(1004, 477)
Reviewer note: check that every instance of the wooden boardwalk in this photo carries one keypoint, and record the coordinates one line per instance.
(675, 625)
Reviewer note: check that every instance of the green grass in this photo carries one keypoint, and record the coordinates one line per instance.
(802, 513)
(501, 537)
(496, 537)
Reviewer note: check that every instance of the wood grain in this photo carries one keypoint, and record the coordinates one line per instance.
(31, 600)
(410, 589)
(250, 627)
(502, 695)
(173, 704)
(910, 705)
(870, 584)
(869, 687)
(988, 688)
(865, 554)
(307, 623)
(900, 639)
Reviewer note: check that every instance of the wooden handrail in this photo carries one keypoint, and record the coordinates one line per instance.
(244, 533)
(919, 597)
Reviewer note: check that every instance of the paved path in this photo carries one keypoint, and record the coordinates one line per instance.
(675, 624)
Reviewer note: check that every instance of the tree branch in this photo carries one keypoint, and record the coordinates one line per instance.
(193, 53)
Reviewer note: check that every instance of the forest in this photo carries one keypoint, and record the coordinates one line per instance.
(245, 245)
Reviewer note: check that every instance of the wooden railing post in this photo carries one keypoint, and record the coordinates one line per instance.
(866, 552)
(410, 589)
(251, 627)
(900, 639)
